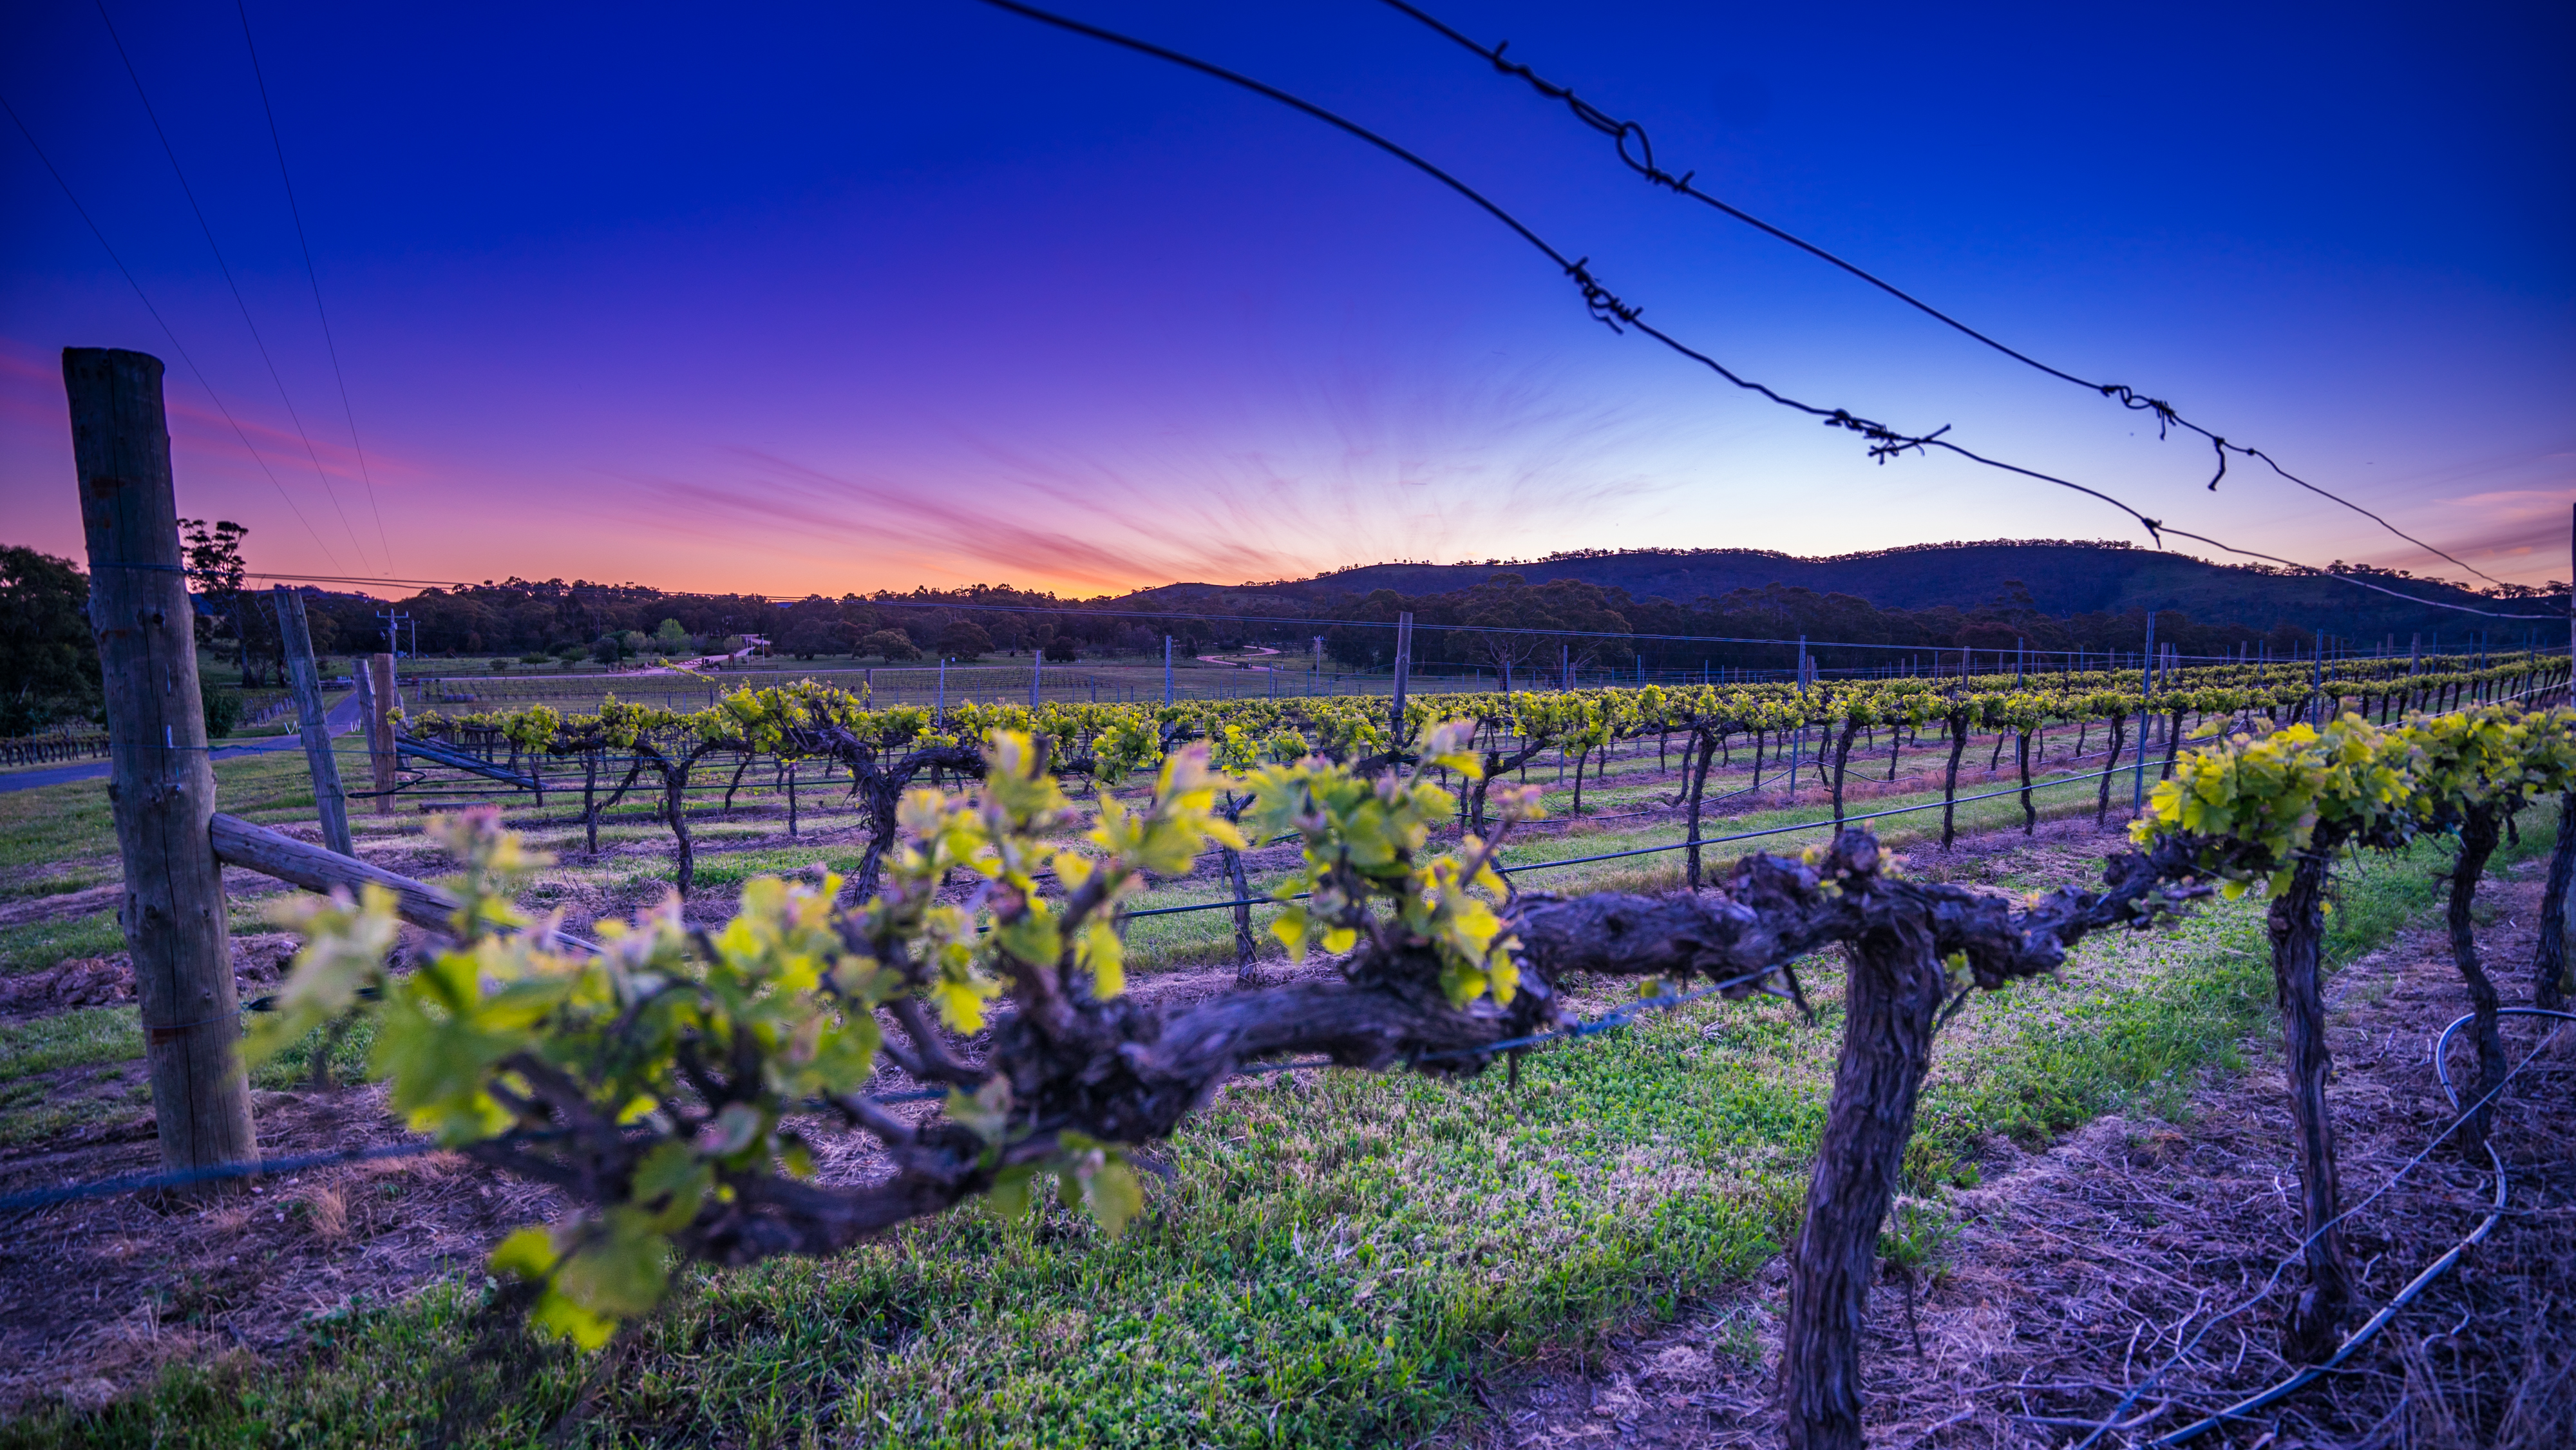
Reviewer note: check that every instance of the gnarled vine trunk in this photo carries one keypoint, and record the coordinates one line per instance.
(1842, 760)
(1950, 782)
(1496, 763)
(1243, 943)
(2478, 832)
(2021, 758)
(1891, 1004)
(2102, 798)
(2549, 964)
(1698, 791)
(2297, 926)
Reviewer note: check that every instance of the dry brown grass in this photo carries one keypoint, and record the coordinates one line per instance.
(2079, 1270)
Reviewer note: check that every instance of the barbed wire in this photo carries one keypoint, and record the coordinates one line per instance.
(176, 345)
(1619, 315)
(1637, 153)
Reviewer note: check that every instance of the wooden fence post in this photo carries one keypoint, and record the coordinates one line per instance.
(296, 641)
(161, 782)
(381, 695)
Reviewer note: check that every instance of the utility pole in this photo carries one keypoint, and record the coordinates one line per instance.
(295, 637)
(1403, 673)
(161, 781)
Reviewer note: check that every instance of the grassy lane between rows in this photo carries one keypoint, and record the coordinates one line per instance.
(1208, 936)
(1334, 1250)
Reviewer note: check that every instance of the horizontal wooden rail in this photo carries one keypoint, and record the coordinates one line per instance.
(252, 847)
(315, 868)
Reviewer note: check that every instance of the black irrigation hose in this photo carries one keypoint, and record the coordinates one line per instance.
(2415, 1286)
(147, 1182)
(2378, 1321)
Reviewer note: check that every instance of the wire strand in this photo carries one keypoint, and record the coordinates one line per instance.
(225, 268)
(163, 323)
(1609, 309)
(1641, 160)
(2111, 1421)
(329, 343)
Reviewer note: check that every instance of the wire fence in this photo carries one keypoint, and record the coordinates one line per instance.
(37, 1199)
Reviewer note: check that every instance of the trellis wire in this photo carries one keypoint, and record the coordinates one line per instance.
(2378, 1321)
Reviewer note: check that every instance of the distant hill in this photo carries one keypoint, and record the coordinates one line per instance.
(2063, 577)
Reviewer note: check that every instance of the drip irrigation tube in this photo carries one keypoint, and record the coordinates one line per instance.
(2417, 1285)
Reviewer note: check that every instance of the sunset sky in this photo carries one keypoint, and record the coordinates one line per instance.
(822, 298)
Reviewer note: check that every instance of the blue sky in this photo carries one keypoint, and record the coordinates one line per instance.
(826, 298)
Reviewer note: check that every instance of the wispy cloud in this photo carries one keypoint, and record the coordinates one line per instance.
(1351, 478)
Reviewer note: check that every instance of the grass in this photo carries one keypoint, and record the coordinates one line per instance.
(40, 944)
(82, 1037)
(49, 834)
(1333, 1254)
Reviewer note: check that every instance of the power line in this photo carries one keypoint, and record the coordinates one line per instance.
(1618, 315)
(329, 344)
(175, 344)
(222, 266)
(1642, 161)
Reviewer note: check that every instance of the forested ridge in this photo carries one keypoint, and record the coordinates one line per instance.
(1661, 610)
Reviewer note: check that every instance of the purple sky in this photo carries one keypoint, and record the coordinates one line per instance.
(832, 298)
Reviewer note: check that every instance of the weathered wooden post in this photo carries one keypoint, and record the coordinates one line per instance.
(296, 641)
(161, 783)
(381, 695)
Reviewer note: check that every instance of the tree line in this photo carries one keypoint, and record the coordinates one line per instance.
(1522, 633)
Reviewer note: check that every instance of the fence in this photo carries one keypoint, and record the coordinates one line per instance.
(53, 749)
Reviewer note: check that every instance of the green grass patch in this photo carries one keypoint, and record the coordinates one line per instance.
(1332, 1255)
(82, 1037)
(347, 1050)
(40, 944)
(38, 1109)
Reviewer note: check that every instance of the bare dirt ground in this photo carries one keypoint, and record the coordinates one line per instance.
(2070, 1271)
(96, 1295)
(2078, 1272)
